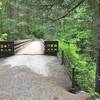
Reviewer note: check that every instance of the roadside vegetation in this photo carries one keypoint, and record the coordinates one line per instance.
(74, 32)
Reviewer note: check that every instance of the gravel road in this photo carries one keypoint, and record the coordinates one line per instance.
(34, 77)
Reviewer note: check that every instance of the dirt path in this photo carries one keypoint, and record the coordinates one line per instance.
(34, 77)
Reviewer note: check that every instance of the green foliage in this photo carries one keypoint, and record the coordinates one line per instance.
(3, 37)
(85, 67)
(0, 5)
(70, 50)
(20, 21)
(94, 95)
(76, 40)
(38, 32)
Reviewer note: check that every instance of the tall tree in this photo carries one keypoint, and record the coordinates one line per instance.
(97, 23)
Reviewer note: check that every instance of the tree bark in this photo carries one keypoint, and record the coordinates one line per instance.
(97, 85)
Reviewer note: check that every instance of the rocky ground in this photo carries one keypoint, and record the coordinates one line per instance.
(35, 77)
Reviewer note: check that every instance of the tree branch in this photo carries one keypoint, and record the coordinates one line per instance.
(72, 9)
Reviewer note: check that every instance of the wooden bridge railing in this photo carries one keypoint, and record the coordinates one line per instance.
(19, 44)
(8, 48)
(51, 47)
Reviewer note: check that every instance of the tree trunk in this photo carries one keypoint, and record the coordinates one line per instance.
(98, 72)
(97, 85)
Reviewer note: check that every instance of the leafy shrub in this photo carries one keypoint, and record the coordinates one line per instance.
(38, 32)
(85, 67)
(3, 36)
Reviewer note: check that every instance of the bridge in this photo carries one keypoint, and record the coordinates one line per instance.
(34, 70)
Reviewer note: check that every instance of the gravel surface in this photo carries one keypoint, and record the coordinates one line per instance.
(35, 77)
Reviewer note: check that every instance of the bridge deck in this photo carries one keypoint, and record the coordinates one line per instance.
(35, 47)
(34, 77)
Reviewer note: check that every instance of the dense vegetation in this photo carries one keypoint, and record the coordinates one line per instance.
(77, 42)
(69, 21)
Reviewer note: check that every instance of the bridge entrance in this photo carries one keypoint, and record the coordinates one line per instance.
(28, 47)
(33, 48)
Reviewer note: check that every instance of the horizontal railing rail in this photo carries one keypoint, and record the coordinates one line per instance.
(8, 48)
(19, 44)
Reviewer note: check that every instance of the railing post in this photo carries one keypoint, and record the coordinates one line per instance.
(62, 57)
(73, 77)
(13, 48)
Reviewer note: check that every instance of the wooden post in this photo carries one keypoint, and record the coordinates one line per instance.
(73, 77)
(62, 57)
(13, 49)
(97, 86)
(72, 89)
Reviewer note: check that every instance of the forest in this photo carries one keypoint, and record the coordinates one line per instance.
(74, 23)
